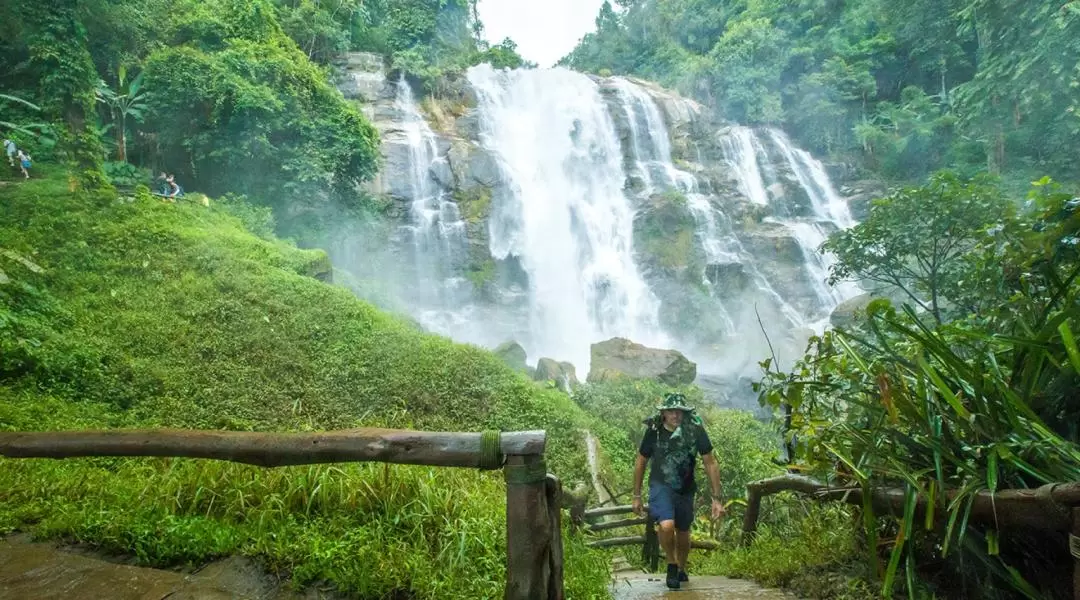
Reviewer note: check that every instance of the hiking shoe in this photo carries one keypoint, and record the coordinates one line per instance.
(683, 576)
(673, 576)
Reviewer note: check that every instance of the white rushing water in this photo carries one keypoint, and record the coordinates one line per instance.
(746, 154)
(575, 160)
(650, 139)
(561, 210)
(436, 229)
(741, 150)
(651, 144)
(827, 204)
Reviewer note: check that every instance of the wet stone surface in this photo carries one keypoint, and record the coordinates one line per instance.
(650, 586)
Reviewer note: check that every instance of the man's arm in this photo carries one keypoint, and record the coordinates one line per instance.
(712, 469)
(639, 474)
(636, 505)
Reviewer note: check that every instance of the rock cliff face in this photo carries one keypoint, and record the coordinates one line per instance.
(560, 209)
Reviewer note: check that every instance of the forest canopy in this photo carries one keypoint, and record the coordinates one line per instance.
(905, 88)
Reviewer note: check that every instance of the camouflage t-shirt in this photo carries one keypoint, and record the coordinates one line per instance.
(674, 459)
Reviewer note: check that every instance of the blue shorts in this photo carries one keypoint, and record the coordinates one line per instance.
(666, 504)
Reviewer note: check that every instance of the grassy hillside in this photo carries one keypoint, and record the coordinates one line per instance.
(130, 312)
(125, 312)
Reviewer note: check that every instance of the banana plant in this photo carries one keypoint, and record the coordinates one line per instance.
(127, 101)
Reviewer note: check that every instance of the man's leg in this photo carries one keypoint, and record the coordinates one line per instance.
(667, 541)
(663, 512)
(682, 547)
(683, 505)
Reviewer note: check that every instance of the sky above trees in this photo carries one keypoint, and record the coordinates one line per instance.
(544, 31)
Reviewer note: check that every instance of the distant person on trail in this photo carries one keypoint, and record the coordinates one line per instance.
(674, 436)
(170, 190)
(9, 149)
(24, 163)
(173, 187)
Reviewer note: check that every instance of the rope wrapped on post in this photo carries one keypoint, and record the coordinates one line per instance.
(535, 472)
(490, 451)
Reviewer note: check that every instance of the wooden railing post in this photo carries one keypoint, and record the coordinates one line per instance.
(650, 551)
(554, 503)
(529, 533)
(1074, 549)
(750, 517)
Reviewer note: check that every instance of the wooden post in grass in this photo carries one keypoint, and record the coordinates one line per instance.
(529, 533)
(750, 517)
(650, 551)
(533, 529)
(1074, 549)
(554, 503)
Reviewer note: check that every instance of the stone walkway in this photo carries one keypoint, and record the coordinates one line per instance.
(630, 585)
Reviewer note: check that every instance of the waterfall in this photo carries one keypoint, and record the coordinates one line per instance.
(827, 204)
(651, 146)
(746, 154)
(567, 163)
(741, 149)
(561, 211)
(828, 207)
(435, 230)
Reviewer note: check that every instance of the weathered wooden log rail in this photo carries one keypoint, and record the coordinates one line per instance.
(534, 561)
(1053, 508)
(650, 542)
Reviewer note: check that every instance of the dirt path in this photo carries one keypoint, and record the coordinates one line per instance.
(44, 571)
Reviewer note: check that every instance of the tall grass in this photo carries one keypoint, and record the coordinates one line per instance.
(151, 314)
(371, 530)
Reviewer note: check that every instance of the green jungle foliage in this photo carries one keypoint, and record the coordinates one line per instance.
(118, 310)
(230, 96)
(970, 387)
(905, 88)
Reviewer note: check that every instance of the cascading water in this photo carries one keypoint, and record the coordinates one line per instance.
(745, 152)
(560, 210)
(435, 230)
(570, 162)
(651, 145)
(827, 204)
(828, 207)
(741, 149)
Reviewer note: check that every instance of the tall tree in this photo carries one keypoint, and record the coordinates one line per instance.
(58, 54)
(916, 239)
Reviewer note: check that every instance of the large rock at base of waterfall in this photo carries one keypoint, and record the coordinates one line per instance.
(513, 355)
(846, 313)
(619, 357)
(562, 373)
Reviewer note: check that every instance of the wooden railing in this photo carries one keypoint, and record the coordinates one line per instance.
(534, 560)
(1051, 509)
(649, 541)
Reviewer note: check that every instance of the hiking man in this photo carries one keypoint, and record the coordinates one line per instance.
(673, 439)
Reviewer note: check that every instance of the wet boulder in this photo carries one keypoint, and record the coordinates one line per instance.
(619, 357)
